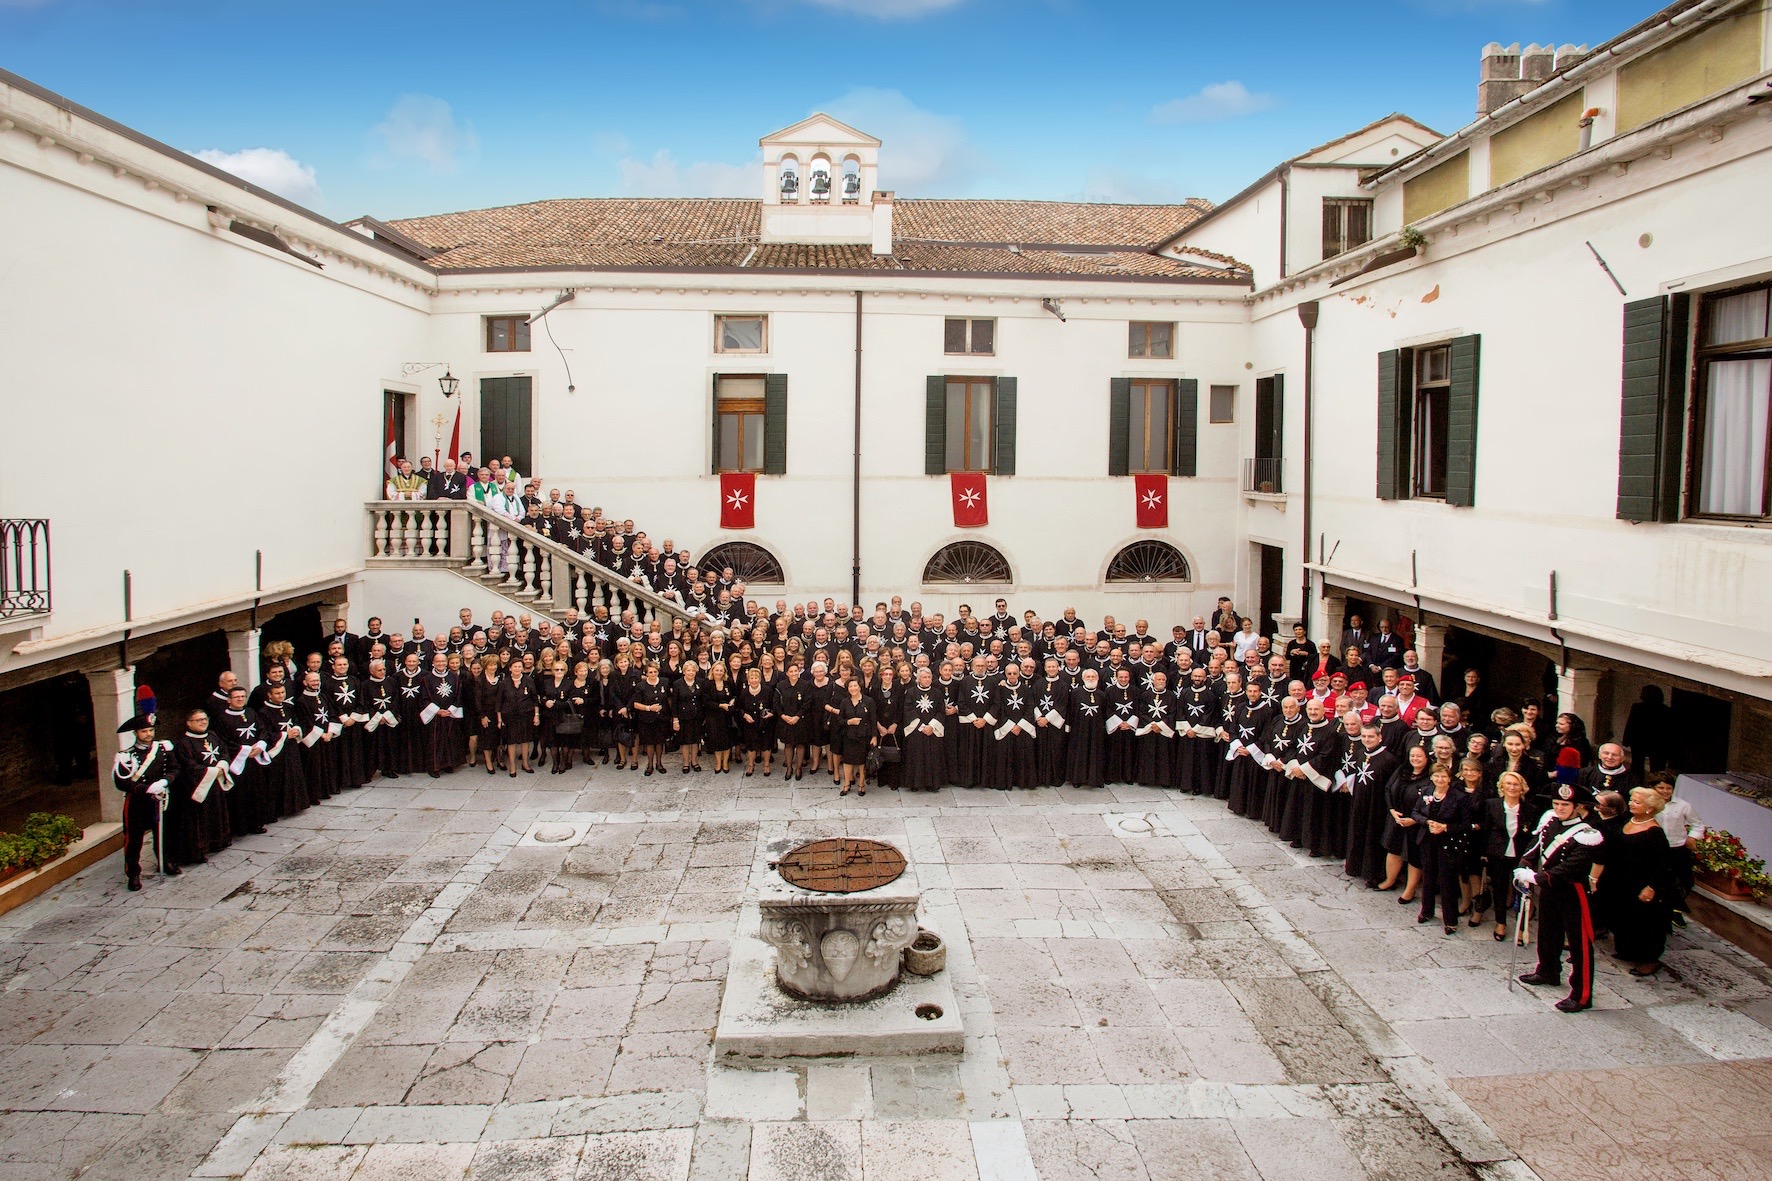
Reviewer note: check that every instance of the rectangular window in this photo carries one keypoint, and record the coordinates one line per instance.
(1222, 404)
(1150, 339)
(1731, 427)
(507, 334)
(741, 334)
(1433, 395)
(970, 337)
(738, 429)
(1347, 223)
(969, 414)
(1149, 425)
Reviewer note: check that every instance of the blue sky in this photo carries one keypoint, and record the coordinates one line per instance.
(396, 109)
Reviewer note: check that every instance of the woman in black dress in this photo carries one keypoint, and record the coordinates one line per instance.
(888, 698)
(857, 734)
(1442, 827)
(578, 702)
(548, 688)
(688, 702)
(483, 709)
(1638, 885)
(1407, 784)
(1475, 785)
(622, 683)
(599, 730)
(756, 718)
(517, 709)
(648, 707)
(794, 720)
(1511, 822)
(717, 736)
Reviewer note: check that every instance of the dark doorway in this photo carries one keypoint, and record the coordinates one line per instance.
(1272, 566)
(504, 420)
(182, 676)
(1268, 474)
(1701, 733)
(301, 627)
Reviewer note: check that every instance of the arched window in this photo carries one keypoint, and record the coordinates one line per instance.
(820, 172)
(790, 180)
(1149, 561)
(851, 181)
(751, 563)
(967, 562)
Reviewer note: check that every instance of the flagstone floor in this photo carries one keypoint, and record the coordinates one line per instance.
(396, 985)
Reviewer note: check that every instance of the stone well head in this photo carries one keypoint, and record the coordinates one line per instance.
(839, 920)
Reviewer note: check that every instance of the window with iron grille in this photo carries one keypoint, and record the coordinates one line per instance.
(1347, 223)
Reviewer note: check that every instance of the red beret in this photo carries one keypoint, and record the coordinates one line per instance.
(1360, 685)
(1405, 677)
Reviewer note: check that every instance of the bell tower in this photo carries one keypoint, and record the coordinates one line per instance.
(820, 184)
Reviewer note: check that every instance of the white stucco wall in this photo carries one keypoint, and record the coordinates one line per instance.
(177, 398)
(1548, 405)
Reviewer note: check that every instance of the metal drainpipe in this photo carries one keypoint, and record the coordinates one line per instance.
(855, 484)
(1285, 202)
(1307, 315)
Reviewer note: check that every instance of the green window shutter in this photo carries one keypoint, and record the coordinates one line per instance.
(1392, 396)
(714, 453)
(1461, 423)
(1185, 447)
(1119, 426)
(935, 428)
(1003, 429)
(775, 424)
(1652, 409)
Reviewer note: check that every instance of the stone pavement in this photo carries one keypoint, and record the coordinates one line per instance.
(397, 985)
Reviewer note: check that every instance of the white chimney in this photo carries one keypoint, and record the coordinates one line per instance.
(883, 222)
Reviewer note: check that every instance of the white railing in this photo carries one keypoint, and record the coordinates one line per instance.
(515, 560)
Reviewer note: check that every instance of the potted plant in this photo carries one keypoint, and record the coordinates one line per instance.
(1724, 866)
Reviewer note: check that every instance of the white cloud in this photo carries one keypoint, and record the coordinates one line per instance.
(268, 168)
(424, 127)
(921, 153)
(888, 9)
(662, 176)
(1214, 102)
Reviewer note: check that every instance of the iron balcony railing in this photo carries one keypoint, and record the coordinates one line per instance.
(1266, 476)
(24, 567)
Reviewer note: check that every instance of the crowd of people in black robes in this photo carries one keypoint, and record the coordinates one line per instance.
(1346, 757)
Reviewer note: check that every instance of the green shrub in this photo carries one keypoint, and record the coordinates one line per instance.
(46, 836)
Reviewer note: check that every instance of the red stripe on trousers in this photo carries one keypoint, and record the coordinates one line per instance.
(1583, 985)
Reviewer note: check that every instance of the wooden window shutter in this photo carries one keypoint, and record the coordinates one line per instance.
(1393, 401)
(1003, 429)
(775, 424)
(1119, 426)
(1461, 423)
(935, 427)
(1652, 408)
(1184, 451)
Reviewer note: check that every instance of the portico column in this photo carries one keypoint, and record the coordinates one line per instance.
(1578, 692)
(1430, 649)
(1333, 620)
(113, 703)
(243, 649)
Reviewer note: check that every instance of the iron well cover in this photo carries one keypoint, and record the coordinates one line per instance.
(841, 865)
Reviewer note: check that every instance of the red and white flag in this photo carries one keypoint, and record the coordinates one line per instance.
(454, 437)
(1153, 501)
(970, 509)
(738, 500)
(392, 451)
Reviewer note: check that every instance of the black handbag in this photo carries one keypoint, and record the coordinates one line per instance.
(874, 761)
(888, 754)
(569, 726)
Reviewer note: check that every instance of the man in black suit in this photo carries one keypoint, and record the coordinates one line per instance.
(1386, 648)
(1355, 635)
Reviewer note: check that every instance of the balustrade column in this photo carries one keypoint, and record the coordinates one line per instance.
(380, 539)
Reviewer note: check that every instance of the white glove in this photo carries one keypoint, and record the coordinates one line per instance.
(159, 790)
(1524, 878)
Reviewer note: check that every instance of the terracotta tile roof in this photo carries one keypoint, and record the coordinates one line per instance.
(1064, 238)
(1044, 223)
